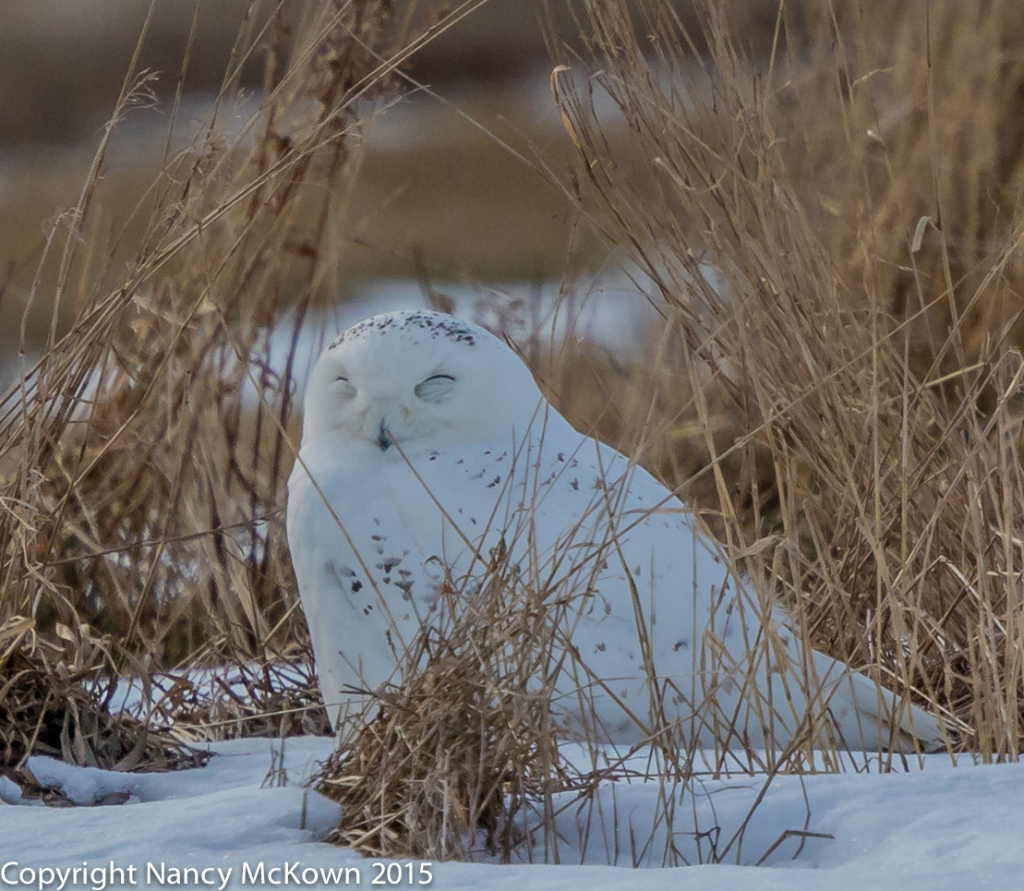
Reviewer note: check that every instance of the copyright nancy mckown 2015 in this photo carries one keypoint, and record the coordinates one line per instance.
(159, 874)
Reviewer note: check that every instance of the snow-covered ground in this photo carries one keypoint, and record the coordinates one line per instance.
(933, 828)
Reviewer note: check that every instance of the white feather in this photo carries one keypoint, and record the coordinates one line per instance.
(483, 460)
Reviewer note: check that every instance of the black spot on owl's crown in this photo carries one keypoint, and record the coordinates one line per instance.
(433, 324)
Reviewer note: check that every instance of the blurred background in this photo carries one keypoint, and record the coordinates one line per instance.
(437, 196)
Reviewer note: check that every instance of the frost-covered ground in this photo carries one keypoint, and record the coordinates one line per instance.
(936, 828)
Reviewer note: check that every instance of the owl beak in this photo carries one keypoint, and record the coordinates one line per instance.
(384, 438)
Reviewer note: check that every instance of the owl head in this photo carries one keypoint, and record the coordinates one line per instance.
(421, 380)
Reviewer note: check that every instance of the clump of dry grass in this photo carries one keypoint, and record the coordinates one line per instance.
(245, 699)
(860, 216)
(456, 757)
(55, 702)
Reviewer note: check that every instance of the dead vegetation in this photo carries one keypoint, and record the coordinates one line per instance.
(56, 702)
(144, 457)
(834, 241)
(446, 764)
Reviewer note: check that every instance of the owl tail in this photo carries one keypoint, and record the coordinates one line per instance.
(869, 717)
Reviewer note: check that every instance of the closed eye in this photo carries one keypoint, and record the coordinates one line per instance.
(343, 387)
(436, 388)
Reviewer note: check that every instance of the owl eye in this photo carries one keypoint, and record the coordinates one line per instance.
(435, 388)
(343, 387)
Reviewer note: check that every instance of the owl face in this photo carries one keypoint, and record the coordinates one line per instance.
(418, 380)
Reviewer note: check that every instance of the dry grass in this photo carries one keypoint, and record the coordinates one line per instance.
(55, 700)
(842, 399)
(144, 458)
(462, 756)
(444, 764)
(853, 373)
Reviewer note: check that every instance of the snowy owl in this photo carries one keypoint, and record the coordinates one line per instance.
(426, 445)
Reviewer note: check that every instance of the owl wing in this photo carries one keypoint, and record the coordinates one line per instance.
(660, 631)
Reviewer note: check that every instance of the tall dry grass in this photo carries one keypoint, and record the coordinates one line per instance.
(144, 458)
(834, 235)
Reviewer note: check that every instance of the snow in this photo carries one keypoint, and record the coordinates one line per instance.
(933, 828)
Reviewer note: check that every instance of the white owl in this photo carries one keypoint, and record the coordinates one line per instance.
(426, 444)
